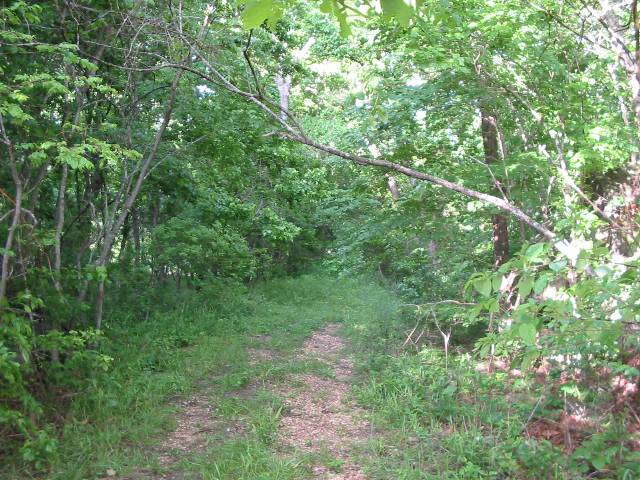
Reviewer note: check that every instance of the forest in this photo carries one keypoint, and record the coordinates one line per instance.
(333, 239)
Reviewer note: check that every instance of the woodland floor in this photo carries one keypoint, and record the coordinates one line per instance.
(305, 378)
(319, 427)
(319, 415)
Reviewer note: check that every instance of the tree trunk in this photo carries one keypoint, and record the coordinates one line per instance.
(112, 232)
(57, 258)
(126, 230)
(393, 187)
(284, 86)
(500, 223)
(145, 165)
(99, 304)
(8, 245)
(17, 212)
(135, 231)
(432, 248)
(155, 213)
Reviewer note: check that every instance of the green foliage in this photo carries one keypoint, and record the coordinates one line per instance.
(426, 407)
(190, 338)
(23, 356)
(550, 305)
(97, 195)
(186, 246)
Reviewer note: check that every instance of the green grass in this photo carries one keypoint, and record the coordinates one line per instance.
(179, 342)
(443, 422)
(431, 422)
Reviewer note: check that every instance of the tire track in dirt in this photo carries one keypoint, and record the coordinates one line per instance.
(198, 426)
(319, 418)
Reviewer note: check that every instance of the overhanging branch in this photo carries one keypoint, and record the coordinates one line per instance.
(292, 131)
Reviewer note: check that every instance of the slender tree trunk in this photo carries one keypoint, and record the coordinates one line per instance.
(432, 248)
(34, 191)
(116, 225)
(99, 304)
(155, 213)
(8, 245)
(17, 212)
(500, 223)
(126, 231)
(135, 232)
(284, 87)
(392, 185)
(632, 58)
(112, 232)
(57, 257)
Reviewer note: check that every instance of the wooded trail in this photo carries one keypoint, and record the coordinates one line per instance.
(225, 225)
(296, 402)
(318, 419)
(320, 416)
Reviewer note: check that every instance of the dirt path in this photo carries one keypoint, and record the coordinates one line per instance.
(318, 424)
(320, 420)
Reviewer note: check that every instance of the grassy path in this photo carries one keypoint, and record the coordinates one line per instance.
(281, 407)
(315, 426)
(320, 418)
(247, 385)
(301, 378)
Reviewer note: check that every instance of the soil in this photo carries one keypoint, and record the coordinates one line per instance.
(320, 418)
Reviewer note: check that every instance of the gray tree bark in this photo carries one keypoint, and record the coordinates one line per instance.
(499, 223)
(392, 185)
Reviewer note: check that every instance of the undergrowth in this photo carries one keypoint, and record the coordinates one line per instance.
(449, 419)
(433, 418)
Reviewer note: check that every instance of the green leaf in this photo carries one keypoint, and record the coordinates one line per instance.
(38, 157)
(451, 389)
(345, 28)
(572, 390)
(275, 17)
(602, 271)
(492, 305)
(8, 253)
(558, 265)
(599, 462)
(534, 252)
(398, 9)
(524, 314)
(525, 285)
(540, 284)
(326, 6)
(17, 113)
(483, 286)
(529, 358)
(45, 48)
(19, 97)
(527, 332)
(581, 264)
(255, 13)
(101, 273)
(474, 312)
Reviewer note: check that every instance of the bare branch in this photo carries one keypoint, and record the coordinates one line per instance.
(247, 57)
